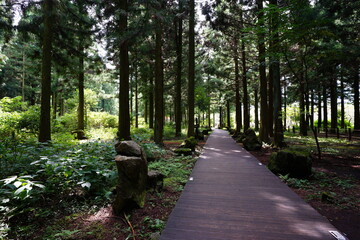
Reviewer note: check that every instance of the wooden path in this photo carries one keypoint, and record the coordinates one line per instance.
(232, 196)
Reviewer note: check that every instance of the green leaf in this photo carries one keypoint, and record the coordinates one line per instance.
(17, 184)
(9, 180)
(86, 184)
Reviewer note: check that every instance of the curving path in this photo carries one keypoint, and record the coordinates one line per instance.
(233, 196)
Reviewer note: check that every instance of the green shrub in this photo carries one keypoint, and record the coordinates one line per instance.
(12, 104)
(189, 143)
(102, 119)
(66, 123)
(29, 120)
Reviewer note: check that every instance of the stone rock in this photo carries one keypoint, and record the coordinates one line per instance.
(295, 163)
(183, 151)
(205, 132)
(128, 148)
(155, 181)
(154, 236)
(131, 188)
(189, 143)
(251, 141)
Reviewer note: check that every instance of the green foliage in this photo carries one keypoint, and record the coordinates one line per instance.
(176, 170)
(12, 104)
(102, 120)
(347, 123)
(189, 143)
(152, 150)
(35, 174)
(29, 120)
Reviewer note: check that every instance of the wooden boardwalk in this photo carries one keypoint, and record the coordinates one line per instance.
(233, 196)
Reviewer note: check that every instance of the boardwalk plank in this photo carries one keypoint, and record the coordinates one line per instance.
(232, 196)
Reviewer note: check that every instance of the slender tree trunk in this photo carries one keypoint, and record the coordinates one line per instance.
(81, 107)
(333, 97)
(264, 127)
(319, 108)
(159, 86)
(131, 97)
(54, 104)
(178, 115)
(275, 66)
(237, 89)
(191, 77)
(136, 98)
(342, 100)
(271, 99)
(356, 97)
(45, 118)
(256, 110)
(228, 114)
(303, 126)
(325, 107)
(285, 105)
(151, 102)
(124, 115)
(146, 103)
(221, 125)
(244, 78)
(312, 109)
(23, 78)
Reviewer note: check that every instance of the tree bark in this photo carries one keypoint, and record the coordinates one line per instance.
(325, 107)
(136, 97)
(333, 98)
(45, 115)
(81, 107)
(319, 108)
(303, 126)
(124, 115)
(151, 101)
(237, 89)
(264, 127)
(244, 78)
(178, 40)
(275, 66)
(356, 97)
(191, 77)
(342, 124)
(256, 109)
(159, 85)
(228, 114)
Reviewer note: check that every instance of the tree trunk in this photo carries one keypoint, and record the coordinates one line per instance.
(81, 77)
(54, 104)
(319, 108)
(228, 114)
(159, 86)
(136, 98)
(124, 115)
(256, 110)
(356, 97)
(45, 118)
(342, 124)
(303, 126)
(191, 77)
(285, 105)
(237, 90)
(178, 40)
(244, 78)
(146, 103)
(275, 66)
(264, 127)
(151, 102)
(333, 97)
(325, 107)
(312, 109)
(221, 125)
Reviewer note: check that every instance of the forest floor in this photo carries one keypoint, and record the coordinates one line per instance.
(145, 223)
(334, 188)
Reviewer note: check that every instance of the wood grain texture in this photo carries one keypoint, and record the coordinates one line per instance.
(232, 196)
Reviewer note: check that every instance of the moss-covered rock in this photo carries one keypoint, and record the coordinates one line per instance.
(251, 141)
(183, 151)
(189, 143)
(293, 162)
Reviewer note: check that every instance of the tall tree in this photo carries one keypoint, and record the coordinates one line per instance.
(178, 40)
(264, 129)
(275, 67)
(124, 114)
(45, 115)
(159, 83)
(191, 71)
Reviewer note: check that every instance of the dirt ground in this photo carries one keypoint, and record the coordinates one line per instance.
(344, 210)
